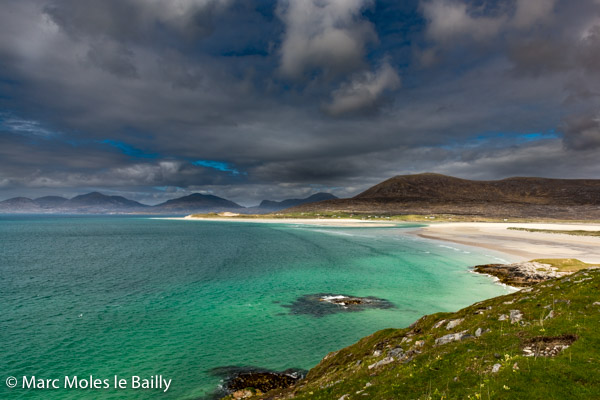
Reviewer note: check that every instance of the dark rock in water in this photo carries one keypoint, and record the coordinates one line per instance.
(239, 378)
(263, 381)
(321, 304)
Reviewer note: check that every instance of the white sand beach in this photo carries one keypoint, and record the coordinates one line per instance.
(339, 222)
(527, 245)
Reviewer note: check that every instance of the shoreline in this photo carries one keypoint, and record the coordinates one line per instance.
(333, 222)
(522, 244)
(494, 236)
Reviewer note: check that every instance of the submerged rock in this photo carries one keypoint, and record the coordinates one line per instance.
(263, 381)
(321, 304)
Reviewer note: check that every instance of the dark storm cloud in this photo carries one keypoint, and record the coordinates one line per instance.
(148, 97)
(582, 132)
(136, 21)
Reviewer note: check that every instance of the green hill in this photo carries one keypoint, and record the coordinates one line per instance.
(542, 342)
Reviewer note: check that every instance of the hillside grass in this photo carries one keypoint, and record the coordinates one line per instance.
(565, 264)
(565, 307)
(558, 231)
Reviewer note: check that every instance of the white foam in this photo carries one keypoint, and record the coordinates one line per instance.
(448, 247)
(330, 298)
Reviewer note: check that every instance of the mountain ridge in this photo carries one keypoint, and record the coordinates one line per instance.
(431, 193)
(271, 205)
(98, 203)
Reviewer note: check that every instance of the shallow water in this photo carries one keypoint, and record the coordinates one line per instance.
(125, 296)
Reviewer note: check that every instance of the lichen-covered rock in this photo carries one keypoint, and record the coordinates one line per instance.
(515, 316)
(396, 352)
(454, 323)
(451, 337)
(439, 323)
(379, 363)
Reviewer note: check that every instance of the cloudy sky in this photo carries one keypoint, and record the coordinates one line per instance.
(255, 99)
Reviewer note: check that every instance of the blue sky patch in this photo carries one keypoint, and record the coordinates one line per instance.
(218, 165)
(128, 149)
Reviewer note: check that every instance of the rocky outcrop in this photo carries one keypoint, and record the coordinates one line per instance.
(452, 337)
(263, 381)
(245, 382)
(544, 346)
(522, 273)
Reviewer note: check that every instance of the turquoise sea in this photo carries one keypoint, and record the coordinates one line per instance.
(125, 296)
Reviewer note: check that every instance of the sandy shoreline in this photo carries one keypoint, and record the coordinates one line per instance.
(526, 245)
(488, 235)
(341, 222)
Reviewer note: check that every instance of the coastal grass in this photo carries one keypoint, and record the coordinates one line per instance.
(558, 231)
(565, 264)
(564, 311)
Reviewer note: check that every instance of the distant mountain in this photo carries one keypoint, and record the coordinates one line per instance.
(19, 205)
(197, 202)
(435, 193)
(99, 201)
(91, 203)
(50, 201)
(568, 199)
(271, 206)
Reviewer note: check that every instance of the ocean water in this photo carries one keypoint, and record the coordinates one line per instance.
(126, 296)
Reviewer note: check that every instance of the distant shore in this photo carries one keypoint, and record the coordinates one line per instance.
(336, 222)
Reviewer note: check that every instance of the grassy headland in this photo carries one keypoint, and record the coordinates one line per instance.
(542, 342)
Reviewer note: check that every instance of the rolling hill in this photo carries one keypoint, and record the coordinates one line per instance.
(269, 206)
(197, 202)
(439, 194)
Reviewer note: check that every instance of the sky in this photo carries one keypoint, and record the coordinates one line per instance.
(275, 99)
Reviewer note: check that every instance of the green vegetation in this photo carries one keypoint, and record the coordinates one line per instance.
(494, 365)
(565, 264)
(564, 232)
